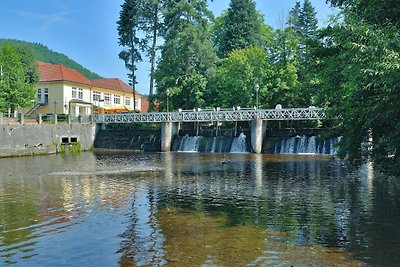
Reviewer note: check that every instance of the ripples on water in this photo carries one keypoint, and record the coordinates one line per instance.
(195, 210)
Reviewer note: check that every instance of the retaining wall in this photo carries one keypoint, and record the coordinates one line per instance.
(34, 139)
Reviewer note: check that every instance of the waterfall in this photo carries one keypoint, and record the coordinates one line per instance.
(307, 145)
(189, 144)
(219, 144)
(239, 144)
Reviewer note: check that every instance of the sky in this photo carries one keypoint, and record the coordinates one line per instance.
(86, 31)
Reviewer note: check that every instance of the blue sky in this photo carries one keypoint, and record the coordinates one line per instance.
(86, 30)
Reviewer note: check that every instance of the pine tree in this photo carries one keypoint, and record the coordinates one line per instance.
(128, 28)
(187, 54)
(242, 27)
(308, 21)
(294, 20)
(151, 25)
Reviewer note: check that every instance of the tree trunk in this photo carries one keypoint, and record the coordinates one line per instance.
(133, 74)
(153, 51)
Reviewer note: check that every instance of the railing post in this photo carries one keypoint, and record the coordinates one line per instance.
(39, 118)
(55, 118)
(21, 118)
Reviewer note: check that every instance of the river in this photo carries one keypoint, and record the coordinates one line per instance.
(196, 209)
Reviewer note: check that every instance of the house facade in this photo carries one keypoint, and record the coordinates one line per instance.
(62, 90)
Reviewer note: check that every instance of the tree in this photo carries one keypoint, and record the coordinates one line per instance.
(379, 12)
(187, 54)
(128, 28)
(308, 21)
(294, 20)
(151, 25)
(360, 62)
(18, 77)
(304, 27)
(241, 28)
(283, 50)
(237, 76)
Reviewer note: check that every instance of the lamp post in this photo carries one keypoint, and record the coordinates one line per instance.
(167, 92)
(257, 88)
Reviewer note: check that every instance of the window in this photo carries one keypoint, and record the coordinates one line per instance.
(117, 100)
(74, 93)
(80, 93)
(127, 101)
(107, 99)
(46, 95)
(39, 95)
(96, 96)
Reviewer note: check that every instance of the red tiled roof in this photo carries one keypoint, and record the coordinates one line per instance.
(59, 72)
(113, 84)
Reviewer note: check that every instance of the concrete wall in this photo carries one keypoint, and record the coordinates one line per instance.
(128, 139)
(20, 140)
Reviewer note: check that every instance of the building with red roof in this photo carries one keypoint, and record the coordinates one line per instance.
(63, 90)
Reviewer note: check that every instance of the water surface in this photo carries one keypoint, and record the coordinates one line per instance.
(194, 209)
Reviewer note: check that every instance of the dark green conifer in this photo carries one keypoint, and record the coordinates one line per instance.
(242, 27)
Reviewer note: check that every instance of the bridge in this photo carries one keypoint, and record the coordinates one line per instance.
(170, 121)
(310, 113)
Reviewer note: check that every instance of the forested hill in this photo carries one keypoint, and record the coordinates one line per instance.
(44, 54)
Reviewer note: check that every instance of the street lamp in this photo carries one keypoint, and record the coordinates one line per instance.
(167, 100)
(257, 88)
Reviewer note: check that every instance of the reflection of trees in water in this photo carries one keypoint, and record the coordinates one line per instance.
(143, 240)
(314, 202)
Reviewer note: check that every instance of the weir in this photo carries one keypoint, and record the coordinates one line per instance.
(170, 121)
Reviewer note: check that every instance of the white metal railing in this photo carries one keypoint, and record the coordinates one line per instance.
(221, 115)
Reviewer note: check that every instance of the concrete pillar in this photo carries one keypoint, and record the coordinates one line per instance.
(168, 131)
(257, 135)
(1, 118)
(55, 119)
(39, 118)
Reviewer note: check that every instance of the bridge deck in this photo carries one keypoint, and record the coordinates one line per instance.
(210, 116)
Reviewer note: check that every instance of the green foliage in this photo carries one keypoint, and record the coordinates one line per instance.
(17, 78)
(304, 27)
(129, 25)
(42, 53)
(379, 12)
(236, 77)
(241, 28)
(186, 56)
(234, 81)
(151, 26)
(359, 67)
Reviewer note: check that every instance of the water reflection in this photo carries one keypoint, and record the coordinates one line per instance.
(196, 210)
